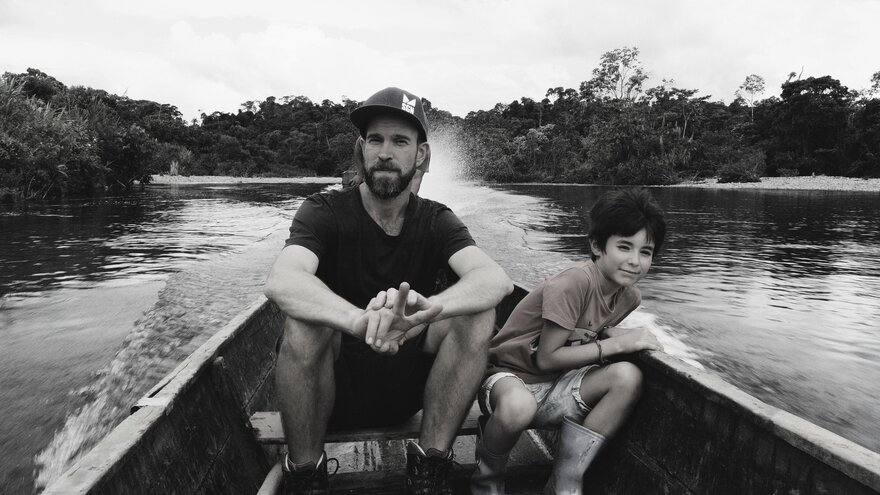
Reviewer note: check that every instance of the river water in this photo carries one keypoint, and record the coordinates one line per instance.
(776, 291)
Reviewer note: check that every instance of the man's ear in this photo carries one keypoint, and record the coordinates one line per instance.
(358, 156)
(423, 153)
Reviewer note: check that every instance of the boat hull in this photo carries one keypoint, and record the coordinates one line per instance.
(692, 433)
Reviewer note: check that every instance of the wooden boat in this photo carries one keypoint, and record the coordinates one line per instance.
(207, 428)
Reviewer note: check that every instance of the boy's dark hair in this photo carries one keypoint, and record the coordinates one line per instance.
(624, 212)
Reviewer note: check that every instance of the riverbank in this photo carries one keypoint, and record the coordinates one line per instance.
(818, 182)
(222, 179)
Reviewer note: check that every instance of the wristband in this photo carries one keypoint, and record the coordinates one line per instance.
(602, 360)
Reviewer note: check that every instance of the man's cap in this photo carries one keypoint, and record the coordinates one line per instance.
(393, 101)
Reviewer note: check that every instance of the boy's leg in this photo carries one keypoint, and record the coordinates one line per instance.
(461, 345)
(512, 408)
(305, 387)
(612, 392)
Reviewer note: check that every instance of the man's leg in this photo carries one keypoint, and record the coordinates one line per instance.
(305, 387)
(462, 347)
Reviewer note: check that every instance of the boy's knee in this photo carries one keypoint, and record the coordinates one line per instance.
(516, 409)
(626, 375)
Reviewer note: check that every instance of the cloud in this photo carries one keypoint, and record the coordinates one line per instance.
(204, 55)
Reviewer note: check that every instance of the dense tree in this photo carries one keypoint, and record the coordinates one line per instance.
(809, 126)
(56, 140)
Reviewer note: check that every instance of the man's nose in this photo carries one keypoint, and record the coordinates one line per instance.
(385, 151)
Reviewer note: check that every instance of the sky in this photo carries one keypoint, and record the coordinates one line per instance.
(462, 55)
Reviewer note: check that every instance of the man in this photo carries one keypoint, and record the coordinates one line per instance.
(369, 337)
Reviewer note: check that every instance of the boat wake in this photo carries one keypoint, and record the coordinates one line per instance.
(194, 303)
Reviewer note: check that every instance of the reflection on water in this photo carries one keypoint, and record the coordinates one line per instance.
(775, 291)
(102, 298)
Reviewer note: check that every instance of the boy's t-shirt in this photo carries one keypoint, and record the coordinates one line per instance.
(570, 299)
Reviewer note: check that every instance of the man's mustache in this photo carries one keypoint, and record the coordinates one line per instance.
(386, 167)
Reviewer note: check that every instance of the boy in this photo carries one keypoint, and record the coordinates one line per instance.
(548, 365)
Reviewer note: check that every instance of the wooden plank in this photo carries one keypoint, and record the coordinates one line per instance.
(268, 430)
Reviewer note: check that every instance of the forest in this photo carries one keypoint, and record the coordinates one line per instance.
(57, 140)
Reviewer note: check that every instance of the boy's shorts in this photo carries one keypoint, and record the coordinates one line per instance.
(556, 399)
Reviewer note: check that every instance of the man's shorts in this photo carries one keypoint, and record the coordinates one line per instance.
(556, 399)
(375, 390)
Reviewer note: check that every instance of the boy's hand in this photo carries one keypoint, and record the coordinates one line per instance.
(634, 340)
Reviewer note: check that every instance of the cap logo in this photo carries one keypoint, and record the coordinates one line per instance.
(408, 105)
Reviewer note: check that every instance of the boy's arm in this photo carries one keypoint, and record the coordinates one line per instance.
(553, 354)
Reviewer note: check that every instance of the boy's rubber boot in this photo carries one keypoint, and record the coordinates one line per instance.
(576, 449)
(488, 477)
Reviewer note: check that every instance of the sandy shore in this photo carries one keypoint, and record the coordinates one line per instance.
(819, 182)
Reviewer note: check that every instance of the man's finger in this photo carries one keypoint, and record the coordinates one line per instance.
(372, 327)
(425, 315)
(412, 333)
(378, 302)
(385, 320)
(391, 298)
(402, 295)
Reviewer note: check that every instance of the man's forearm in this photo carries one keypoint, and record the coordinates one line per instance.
(304, 297)
(476, 291)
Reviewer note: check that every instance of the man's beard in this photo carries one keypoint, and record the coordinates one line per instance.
(388, 186)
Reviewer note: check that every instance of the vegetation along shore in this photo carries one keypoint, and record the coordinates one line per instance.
(614, 128)
(818, 182)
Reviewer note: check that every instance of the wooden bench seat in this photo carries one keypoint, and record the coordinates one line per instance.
(372, 460)
(268, 430)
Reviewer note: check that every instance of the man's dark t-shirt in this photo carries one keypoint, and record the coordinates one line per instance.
(357, 258)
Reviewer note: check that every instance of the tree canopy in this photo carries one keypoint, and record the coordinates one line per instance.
(612, 129)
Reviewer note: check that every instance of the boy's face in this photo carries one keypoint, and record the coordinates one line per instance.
(626, 260)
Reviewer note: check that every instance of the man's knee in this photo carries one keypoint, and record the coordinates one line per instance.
(473, 330)
(306, 344)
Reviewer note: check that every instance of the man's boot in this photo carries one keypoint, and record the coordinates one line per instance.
(576, 449)
(310, 479)
(488, 477)
(428, 473)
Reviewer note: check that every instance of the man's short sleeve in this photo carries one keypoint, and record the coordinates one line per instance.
(452, 233)
(312, 225)
(564, 296)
